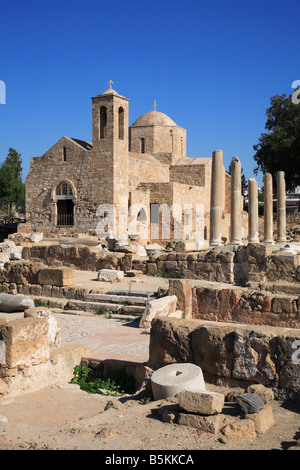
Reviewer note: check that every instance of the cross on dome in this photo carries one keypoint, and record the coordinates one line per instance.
(110, 84)
(155, 105)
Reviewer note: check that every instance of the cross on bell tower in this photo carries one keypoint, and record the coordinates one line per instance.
(110, 84)
(155, 105)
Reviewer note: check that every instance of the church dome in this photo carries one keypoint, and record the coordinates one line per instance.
(110, 91)
(154, 118)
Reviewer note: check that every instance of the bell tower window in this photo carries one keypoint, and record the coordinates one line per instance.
(103, 122)
(121, 123)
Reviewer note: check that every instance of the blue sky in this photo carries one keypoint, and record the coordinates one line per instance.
(211, 66)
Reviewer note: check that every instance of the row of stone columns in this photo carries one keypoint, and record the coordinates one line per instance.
(268, 209)
(236, 205)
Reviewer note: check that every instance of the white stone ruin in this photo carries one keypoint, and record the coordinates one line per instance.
(36, 237)
(15, 303)
(109, 275)
(172, 379)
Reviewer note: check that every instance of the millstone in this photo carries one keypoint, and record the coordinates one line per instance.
(250, 402)
(174, 378)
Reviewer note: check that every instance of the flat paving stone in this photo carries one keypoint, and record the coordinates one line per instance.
(109, 338)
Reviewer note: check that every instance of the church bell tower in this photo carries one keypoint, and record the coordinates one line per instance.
(110, 145)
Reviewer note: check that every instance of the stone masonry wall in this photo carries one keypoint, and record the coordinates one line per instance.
(251, 263)
(236, 304)
(31, 357)
(230, 354)
(46, 173)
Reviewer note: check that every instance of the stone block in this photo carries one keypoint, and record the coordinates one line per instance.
(46, 291)
(26, 342)
(36, 290)
(6, 247)
(182, 289)
(212, 347)
(110, 275)
(169, 417)
(3, 387)
(59, 277)
(141, 251)
(177, 314)
(265, 393)
(151, 268)
(203, 403)
(53, 334)
(263, 419)
(36, 237)
(161, 307)
(211, 424)
(239, 428)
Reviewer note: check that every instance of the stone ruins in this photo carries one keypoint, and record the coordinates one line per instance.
(228, 302)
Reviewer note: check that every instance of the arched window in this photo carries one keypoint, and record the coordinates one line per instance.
(142, 145)
(142, 216)
(121, 123)
(172, 141)
(103, 122)
(64, 189)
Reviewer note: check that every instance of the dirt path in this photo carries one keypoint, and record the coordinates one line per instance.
(63, 417)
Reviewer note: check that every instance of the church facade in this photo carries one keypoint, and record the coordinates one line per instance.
(129, 181)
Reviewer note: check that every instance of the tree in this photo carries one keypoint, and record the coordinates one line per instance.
(279, 148)
(14, 160)
(12, 188)
(244, 184)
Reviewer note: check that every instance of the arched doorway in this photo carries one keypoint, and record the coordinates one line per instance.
(64, 205)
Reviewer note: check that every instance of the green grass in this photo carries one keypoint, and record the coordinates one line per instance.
(158, 273)
(127, 302)
(101, 311)
(41, 303)
(119, 383)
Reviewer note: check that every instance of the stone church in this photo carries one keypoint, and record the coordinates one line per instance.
(140, 171)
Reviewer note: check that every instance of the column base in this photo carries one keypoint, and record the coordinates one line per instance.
(215, 243)
(235, 242)
(253, 240)
(269, 241)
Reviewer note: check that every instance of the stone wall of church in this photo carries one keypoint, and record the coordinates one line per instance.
(194, 203)
(46, 173)
(142, 169)
(158, 140)
(193, 175)
(170, 139)
(138, 133)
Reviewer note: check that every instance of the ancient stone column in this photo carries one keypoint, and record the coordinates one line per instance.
(268, 208)
(216, 199)
(236, 202)
(281, 208)
(252, 211)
